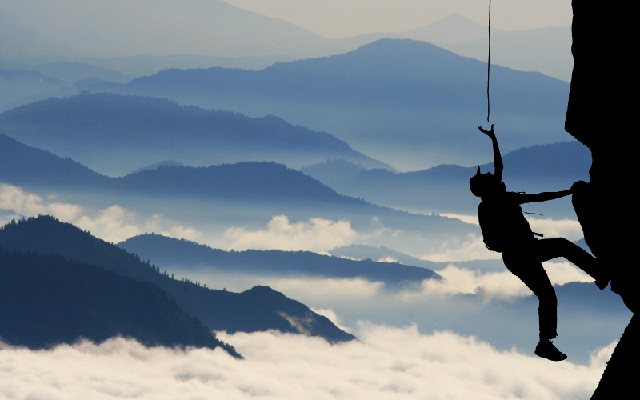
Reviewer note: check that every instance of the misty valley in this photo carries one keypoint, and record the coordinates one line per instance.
(294, 201)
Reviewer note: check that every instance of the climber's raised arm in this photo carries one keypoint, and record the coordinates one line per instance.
(497, 158)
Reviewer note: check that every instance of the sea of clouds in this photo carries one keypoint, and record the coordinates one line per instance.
(495, 307)
(393, 358)
(386, 363)
(116, 223)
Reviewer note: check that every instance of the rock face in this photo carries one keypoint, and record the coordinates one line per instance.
(600, 115)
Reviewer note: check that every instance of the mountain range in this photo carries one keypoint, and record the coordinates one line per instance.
(187, 255)
(257, 309)
(258, 41)
(24, 165)
(96, 129)
(248, 194)
(442, 189)
(418, 102)
(445, 188)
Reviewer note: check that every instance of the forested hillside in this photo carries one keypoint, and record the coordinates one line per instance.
(185, 254)
(46, 300)
(218, 309)
(96, 129)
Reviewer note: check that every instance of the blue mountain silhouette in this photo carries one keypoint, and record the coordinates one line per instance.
(93, 129)
(194, 256)
(399, 100)
(257, 309)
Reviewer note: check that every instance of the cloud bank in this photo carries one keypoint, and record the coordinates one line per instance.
(388, 363)
(29, 204)
(500, 285)
(566, 228)
(281, 234)
(473, 248)
(113, 224)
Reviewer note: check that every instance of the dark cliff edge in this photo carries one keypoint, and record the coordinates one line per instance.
(601, 114)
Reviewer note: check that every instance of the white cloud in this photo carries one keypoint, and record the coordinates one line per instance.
(563, 272)
(28, 204)
(463, 281)
(158, 224)
(113, 224)
(566, 228)
(471, 249)
(490, 285)
(388, 363)
(470, 219)
(600, 357)
(334, 288)
(317, 234)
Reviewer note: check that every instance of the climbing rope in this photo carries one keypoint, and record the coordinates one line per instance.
(489, 67)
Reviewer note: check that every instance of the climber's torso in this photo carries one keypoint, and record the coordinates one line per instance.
(502, 222)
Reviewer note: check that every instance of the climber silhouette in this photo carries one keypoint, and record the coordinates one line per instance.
(505, 230)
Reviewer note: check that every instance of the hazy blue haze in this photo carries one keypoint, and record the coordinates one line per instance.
(410, 104)
(416, 101)
(445, 188)
(115, 134)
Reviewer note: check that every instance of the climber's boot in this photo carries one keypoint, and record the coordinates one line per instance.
(546, 349)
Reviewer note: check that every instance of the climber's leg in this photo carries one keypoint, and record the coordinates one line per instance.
(531, 272)
(525, 266)
(561, 247)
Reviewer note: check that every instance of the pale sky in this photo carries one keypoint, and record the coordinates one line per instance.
(330, 18)
(344, 18)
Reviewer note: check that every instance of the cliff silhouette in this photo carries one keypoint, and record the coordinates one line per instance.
(599, 115)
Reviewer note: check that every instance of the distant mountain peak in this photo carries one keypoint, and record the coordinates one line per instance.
(399, 54)
(398, 44)
(454, 28)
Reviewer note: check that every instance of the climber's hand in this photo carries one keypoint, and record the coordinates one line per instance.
(578, 186)
(489, 133)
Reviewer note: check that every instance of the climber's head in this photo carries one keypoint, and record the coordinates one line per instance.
(483, 185)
